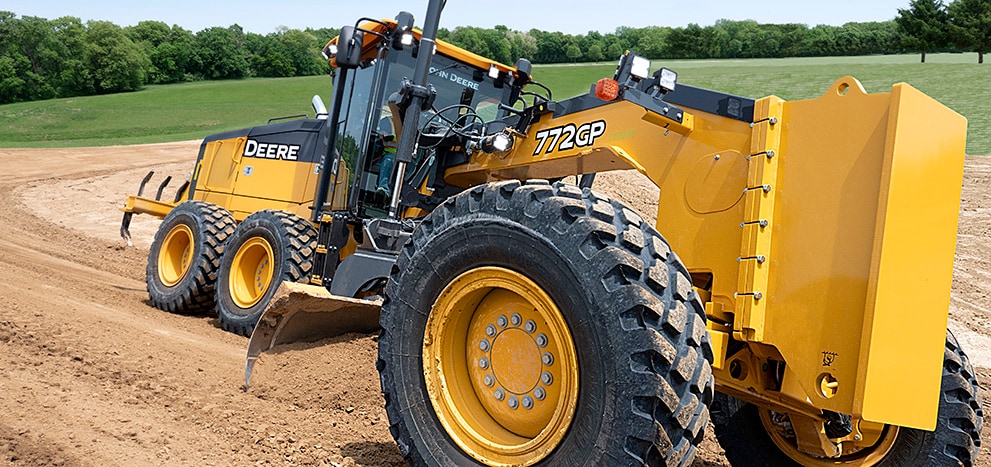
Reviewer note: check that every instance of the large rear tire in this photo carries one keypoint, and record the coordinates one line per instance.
(185, 256)
(538, 324)
(748, 442)
(267, 248)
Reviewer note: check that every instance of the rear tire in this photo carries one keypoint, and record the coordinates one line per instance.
(269, 247)
(185, 256)
(955, 441)
(629, 351)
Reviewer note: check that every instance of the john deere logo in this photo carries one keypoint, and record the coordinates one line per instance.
(286, 152)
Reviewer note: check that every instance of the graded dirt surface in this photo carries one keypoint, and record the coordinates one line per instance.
(94, 375)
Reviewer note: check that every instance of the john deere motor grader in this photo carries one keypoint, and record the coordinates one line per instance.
(529, 322)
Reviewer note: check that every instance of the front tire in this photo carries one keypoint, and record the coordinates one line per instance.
(185, 256)
(742, 434)
(540, 324)
(267, 248)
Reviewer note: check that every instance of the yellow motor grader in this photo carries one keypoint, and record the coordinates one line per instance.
(800, 265)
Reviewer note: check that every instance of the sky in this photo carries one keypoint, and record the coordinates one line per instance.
(571, 17)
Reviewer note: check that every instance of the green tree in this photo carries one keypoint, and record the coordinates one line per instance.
(220, 53)
(75, 73)
(924, 24)
(970, 25)
(573, 52)
(298, 47)
(116, 63)
(594, 53)
(468, 38)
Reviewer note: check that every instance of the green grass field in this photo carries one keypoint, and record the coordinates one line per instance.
(194, 110)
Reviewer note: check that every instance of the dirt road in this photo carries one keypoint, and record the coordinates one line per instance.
(93, 375)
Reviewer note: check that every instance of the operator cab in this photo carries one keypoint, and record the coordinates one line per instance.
(370, 123)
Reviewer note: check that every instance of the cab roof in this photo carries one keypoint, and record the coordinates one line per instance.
(443, 48)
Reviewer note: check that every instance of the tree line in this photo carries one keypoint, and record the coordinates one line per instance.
(931, 25)
(64, 57)
(926, 25)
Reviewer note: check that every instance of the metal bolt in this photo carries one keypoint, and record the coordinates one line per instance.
(716, 157)
(484, 345)
(513, 402)
(770, 154)
(527, 402)
(541, 340)
(772, 120)
(484, 363)
(539, 393)
(546, 378)
(530, 326)
(499, 394)
(488, 380)
(666, 110)
(547, 358)
(490, 330)
(855, 437)
(502, 321)
(516, 319)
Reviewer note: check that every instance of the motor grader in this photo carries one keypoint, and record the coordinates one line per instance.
(800, 265)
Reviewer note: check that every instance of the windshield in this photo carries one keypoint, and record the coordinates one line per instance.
(369, 124)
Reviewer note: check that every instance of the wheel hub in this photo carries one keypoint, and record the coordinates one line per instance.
(174, 256)
(514, 372)
(251, 272)
(500, 367)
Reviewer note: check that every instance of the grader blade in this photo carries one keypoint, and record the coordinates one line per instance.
(300, 312)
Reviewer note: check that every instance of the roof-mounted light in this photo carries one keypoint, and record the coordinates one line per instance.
(402, 35)
(493, 72)
(329, 52)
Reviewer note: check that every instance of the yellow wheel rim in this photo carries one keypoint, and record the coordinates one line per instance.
(175, 255)
(251, 272)
(500, 367)
(854, 453)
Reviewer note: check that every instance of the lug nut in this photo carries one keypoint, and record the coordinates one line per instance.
(499, 394)
(547, 358)
(527, 402)
(530, 326)
(483, 363)
(513, 402)
(488, 380)
(546, 378)
(502, 321)
(490, 331)
(539, 393)
(541, 340)
(516, 319)
(484, 345)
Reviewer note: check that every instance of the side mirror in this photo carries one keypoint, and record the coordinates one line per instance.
(350, 42)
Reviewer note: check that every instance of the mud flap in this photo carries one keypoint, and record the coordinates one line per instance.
(301, 312)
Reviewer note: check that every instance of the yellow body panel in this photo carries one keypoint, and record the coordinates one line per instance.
(922, 197)
(220, 164)
(244, 185)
